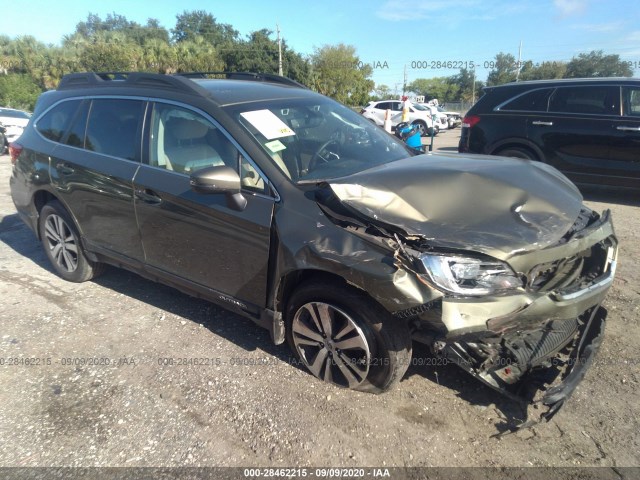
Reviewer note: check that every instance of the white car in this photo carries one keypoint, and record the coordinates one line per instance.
(14, 121)
(418, 115)
(453, 118)
(441, 119)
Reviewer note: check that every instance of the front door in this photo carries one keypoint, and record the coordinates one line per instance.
(201, 238)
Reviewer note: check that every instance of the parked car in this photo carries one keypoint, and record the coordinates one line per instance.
(418, 115)
(14, 122)
(440, 120)
(454, 119)
(289, 208)
(589, 129)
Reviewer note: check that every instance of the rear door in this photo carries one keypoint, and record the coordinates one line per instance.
(196, 239)
(92, 169)
(624, 160)
(575, 133)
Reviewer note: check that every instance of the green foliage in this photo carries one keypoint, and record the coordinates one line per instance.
(543, 71)
(504, 69)
(597, 64)
(199, 23)
(442, 88)
(338, 73)
(18, 91)
(198, 42)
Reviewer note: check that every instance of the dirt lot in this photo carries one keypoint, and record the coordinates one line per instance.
(251, 405)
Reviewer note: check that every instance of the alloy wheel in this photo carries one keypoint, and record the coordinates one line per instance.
(61, 243)
(331, 344)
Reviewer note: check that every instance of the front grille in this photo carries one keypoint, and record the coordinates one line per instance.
(569, 273)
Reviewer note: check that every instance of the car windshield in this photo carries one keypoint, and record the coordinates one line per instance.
(420, 107)
(317, 139)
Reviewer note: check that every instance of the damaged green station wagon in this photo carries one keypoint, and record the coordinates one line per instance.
(284, 206)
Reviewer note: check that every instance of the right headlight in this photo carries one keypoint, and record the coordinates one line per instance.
(469, 276)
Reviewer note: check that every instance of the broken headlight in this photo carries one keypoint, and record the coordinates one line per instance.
(468, 275)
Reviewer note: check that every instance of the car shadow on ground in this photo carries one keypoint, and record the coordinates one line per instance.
(233, 327)
(17, 236)
(620, 196)
(445, 149)
(467, 388)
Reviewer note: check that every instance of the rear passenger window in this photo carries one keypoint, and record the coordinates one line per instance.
(56, 121)
(534, 101)
(596, 100)
(631, 99)
(113, 127)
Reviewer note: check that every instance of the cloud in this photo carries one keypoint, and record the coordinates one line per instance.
(447, 10)
(570, 7)
(398, 10)
(599, 27)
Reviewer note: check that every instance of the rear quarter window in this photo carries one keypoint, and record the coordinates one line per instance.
(533, 101)
(56, 121)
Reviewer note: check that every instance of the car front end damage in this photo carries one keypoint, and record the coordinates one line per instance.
(508, 288)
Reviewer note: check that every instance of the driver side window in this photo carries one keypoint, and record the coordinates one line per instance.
(184, 141)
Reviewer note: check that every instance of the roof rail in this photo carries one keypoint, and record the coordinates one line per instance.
(252, 76)
(130, 79)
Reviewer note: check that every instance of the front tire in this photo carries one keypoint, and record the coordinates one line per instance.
(62, 245)
(345, 338)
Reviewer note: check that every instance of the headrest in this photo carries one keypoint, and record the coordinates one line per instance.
(185, 129)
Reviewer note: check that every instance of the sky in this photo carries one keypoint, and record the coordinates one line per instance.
(428, 38)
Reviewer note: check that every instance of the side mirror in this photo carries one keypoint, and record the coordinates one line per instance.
(220, 179)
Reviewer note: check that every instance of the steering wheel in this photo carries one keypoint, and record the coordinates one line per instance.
(331, 154)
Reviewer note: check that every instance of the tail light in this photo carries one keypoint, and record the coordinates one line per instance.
(15, 149)
(470, 120)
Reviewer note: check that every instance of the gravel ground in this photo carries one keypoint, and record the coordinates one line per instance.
(247, 403)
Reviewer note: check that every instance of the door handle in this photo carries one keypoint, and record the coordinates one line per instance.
(544, 124)
(64, 168)
(148, 196)
(629, 129)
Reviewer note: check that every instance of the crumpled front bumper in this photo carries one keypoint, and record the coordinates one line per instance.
(579, 362)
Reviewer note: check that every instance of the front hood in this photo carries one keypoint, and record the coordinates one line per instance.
(493, 205)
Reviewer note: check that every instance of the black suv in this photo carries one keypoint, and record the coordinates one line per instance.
(589, 129)
(291, 209)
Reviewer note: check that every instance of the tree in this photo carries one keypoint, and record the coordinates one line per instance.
(542, 71)
(18, 91)
(199, 23)
(597, 64)
(468, 86)
(259, 53)
(197, 56)
(382, 92)
(504, 69)
(339, 73)
(442, 88)
(110, 51)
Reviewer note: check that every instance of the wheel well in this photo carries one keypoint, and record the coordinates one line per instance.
(519, 146)
(290, 281)
(40, 199)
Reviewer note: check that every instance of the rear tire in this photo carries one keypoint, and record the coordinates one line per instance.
(516, 152)
(62, 245)
(345, 338)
